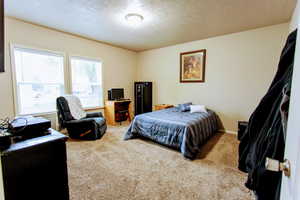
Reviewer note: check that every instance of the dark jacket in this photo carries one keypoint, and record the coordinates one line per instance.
(264, 136)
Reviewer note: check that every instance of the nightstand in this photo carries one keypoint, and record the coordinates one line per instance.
(162, 106)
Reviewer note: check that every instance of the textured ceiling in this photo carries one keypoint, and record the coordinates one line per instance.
(166, 22)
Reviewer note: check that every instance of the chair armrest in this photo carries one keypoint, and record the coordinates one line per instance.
(95, 114)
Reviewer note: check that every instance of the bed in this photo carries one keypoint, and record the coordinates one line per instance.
(183, 131)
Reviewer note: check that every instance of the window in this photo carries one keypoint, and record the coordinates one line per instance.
(87, 81)
(39, 80)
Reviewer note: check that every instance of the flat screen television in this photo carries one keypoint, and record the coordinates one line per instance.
(116, 94)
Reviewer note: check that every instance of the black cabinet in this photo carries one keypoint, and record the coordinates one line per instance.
(143, 97)
(242, 126)
(36, 169)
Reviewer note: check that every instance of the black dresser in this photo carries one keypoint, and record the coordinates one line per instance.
(36, 168)
(142, 97)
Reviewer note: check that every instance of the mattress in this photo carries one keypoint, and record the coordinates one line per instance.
(183, 131)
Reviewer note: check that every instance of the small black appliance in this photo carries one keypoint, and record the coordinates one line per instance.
(116, 94)
(29, 127)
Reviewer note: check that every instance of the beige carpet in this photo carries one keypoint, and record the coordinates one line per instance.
(111, 168)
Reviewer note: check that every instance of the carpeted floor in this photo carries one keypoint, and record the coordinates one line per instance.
(114, 169)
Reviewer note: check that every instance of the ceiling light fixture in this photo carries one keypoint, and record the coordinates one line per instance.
(134, 19)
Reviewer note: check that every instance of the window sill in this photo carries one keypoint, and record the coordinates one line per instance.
(37, 114)
(93, 108)
(55, 112)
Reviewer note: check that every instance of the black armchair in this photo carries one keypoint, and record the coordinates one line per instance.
(91, 127)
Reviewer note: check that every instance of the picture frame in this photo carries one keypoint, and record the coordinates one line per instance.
(192, 66)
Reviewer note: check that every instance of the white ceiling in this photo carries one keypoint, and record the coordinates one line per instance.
(166, 22)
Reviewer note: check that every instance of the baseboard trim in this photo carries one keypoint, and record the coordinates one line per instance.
(228, 131)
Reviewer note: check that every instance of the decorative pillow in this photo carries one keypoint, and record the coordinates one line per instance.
(198, 108)
(185, 107)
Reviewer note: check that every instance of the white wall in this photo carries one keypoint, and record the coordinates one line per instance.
(119, 65)
(239, 69)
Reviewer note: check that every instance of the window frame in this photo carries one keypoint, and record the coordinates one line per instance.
(67, 69)
(70, 57)
(16, 99)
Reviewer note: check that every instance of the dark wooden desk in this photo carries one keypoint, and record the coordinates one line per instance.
(36, 168)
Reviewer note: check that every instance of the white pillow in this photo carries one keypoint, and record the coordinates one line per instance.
(198, 108)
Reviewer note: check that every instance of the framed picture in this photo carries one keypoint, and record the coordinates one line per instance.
(192, 66)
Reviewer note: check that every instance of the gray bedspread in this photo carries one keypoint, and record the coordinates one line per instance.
(184, 131)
